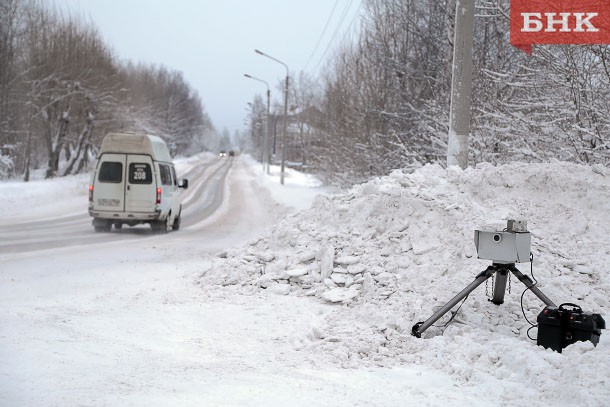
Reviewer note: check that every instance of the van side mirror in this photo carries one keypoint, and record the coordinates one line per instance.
(183, 184)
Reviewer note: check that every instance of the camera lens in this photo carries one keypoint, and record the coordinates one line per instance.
(497, 238)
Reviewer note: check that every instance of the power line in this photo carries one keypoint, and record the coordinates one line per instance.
(341, 20)
(322, 35)
(349, 27)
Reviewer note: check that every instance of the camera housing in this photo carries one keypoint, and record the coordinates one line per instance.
(512, 245)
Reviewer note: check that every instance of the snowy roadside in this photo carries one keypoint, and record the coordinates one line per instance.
(389, 252)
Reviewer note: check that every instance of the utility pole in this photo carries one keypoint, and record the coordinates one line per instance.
(283, 146)
(283, 142)
(267, 130)
(461, 85)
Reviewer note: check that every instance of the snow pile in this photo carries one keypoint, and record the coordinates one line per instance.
(390, 252)
(66, 195)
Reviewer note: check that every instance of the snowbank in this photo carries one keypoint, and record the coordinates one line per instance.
(388, 253)
(66, 195)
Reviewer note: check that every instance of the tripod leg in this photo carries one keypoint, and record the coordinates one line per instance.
(500, 286)
(420, 327)
(530, 284)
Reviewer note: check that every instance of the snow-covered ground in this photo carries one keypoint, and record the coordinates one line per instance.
(294, 298)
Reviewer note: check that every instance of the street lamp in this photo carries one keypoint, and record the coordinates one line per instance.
(283, 146)
(265, 139)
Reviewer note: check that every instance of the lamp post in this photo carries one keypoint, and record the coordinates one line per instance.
(266, 138)
(283, 146)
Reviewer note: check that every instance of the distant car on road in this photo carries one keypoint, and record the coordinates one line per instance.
(231, 153)
(222, 153)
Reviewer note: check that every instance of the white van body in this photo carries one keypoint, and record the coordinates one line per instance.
(135, 182)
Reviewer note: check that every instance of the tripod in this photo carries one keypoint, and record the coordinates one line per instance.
(501, 270)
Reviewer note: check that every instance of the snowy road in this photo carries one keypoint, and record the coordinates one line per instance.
(119, 320)
(115, 319)
(70, 225)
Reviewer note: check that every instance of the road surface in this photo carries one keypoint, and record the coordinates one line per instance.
(208, 180)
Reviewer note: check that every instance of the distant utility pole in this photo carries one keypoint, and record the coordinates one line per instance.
(461, 85)
(283, 144)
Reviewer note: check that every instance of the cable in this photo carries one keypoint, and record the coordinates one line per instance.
(321, 35)
(528, 332)
(341, 20)
(351, 23)
(523, 293)
(452, 316)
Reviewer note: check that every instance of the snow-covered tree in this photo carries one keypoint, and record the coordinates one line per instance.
(62, 90)
(386, 96)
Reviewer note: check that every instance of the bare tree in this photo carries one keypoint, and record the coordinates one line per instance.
(61, 90)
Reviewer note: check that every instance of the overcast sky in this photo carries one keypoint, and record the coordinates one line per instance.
(212, 42)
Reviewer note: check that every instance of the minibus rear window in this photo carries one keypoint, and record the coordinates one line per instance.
(140, 173)
(166, 175)
(111, 171)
